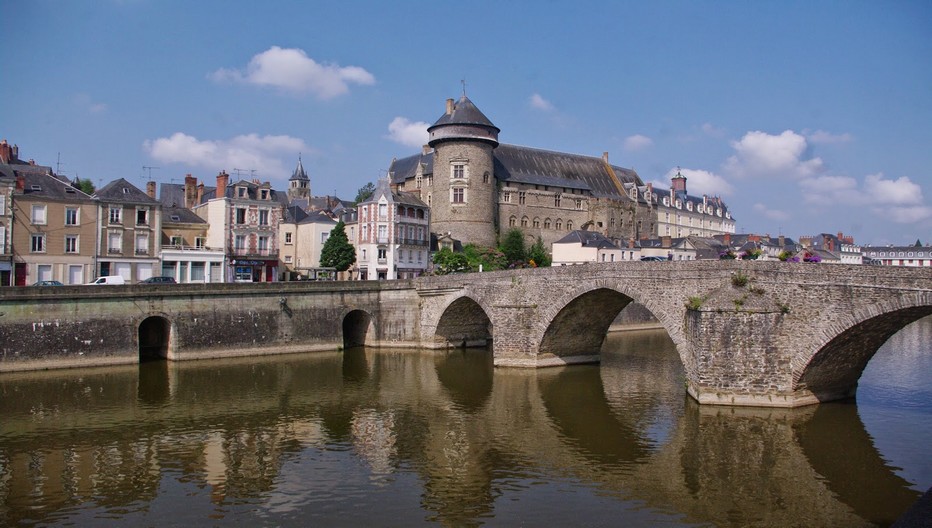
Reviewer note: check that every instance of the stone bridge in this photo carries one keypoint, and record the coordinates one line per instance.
(748, 333)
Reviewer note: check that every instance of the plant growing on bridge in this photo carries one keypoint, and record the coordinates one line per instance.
(739, 279)
(337, 252)
(694, 303)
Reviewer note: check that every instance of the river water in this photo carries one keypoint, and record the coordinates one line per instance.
(402, 438)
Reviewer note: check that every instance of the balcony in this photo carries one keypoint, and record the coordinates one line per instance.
(142, 251)
(114, 251)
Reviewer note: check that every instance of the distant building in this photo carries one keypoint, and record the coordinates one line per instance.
(477, 188)
(842, 248)
(580, 247)
(912, 256)
(391, 235)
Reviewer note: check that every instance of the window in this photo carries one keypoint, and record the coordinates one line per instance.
(559, 224)
(612, 222)
(241, 192)
(263, 217)
(382, 252)
(524, 221)
(115, 242)
(264, 194)
(569, 225)
(383, 234)
(263, 243)
(177, 241)
(115, 214)
(197, 272)
(506, 197)
(459, 195)
(142, 217)
(556, 202)
(287, 259)
(239, 242)
(288, 238)
(38, 215)
(383, 211)
(364, 257)
(512, 222)
(521, 197)
(200, 242)
(324, 237)
(38, 243)
(71, 216)
(240, 215)
(485, 177)
(459, 172)
(578, 204)
(536, 223)
(142, 243)
(547, 223)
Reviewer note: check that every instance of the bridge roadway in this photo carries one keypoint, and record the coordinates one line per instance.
(752, 333)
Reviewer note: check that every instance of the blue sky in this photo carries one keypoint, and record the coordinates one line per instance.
(806, 117)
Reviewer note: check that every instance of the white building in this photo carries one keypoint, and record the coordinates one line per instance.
(392, 235)
(912, 256)
(580, 247)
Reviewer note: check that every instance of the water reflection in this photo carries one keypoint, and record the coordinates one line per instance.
(386, 437)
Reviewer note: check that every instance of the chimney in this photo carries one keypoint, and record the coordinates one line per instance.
(666, 241)
(631, 243)
(678, 183)
(32, 161)
(425, 150)
(6, 153)
(727, 239)
(150, 189)
(222, 180)
(450, 106)
(605, 157)
(20, 183)
(753, 238)
(782, 241)
(200, 193)
(190, 183)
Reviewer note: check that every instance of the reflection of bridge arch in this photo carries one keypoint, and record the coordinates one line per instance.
(357, 327)
(464, 322)
(154, 337)
(831, 368)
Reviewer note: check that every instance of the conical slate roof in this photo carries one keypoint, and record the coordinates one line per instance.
(463, 121)
(299, 173)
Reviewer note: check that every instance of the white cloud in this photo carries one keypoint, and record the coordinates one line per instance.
(827, 138)
(901, 191)
(248, 152)
(762, 155)
(699, 182)
(905, 215)
(771, 214)
(711, 130)
(290, 69)
(410, 133)
(538, 102)
(637, 142)
(831, 189)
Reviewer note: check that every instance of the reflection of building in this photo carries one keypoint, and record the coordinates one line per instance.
(477, 188)
(130, 232)
(392, 235)
(243, 219)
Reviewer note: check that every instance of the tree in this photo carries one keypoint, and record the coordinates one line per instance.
(538, 254)
(337, 252)
(513, 247)
(365, 192)
(85, 186)
(447, 261)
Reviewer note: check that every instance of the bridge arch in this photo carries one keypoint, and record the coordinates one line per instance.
(464, 323)
(358, 328)
(830, 369)
(154, 338)
(582, 316)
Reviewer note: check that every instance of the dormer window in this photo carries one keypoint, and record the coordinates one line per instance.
(241, 192)
(264, 194)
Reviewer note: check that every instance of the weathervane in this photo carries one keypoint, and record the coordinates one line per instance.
(464, 86)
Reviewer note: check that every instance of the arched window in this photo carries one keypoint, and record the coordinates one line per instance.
(536, 222)
(569, 225)
(559, 224)
(512, 221)
(411, 212)
(547, 223)
(524, 221)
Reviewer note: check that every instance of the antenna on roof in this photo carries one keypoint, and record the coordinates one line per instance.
(464, 86)
(147, 168)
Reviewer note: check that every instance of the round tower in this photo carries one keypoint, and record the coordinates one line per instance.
(463, 195)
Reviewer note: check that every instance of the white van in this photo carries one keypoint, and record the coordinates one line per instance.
(109, 279)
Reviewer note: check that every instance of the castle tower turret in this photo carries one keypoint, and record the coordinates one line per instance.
(299, 185)
(463, 194)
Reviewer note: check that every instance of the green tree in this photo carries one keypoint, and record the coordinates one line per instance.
(538, 254)
(513, 247)
(337, 252)
(85, 186)
(365, 192)
(446, 262)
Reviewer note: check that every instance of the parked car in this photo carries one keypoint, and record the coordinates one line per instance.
(159, 280)
(654, 259)
(109, 279)
(47, 283)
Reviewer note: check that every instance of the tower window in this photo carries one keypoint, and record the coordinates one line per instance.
(459, 172)
(459, 195)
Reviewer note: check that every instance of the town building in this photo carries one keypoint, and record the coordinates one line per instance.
(580, 247)
(302, 236)
(392, 235)
(7, 184)
(478, 187)
(680, 215)
(842, 248)
(912, 256)
(185, 255)
(243, 219)
(129, 224)
(55, 229)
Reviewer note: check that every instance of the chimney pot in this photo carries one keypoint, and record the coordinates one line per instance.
(20, 183)
(222, 180)
(449, 106)
(605, 157)
(150, 189)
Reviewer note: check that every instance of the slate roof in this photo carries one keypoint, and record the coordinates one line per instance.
(464, 113)
(587, 239)
(49, 187)
(299, 172)
(122, 191)
(539, 167)
(317, 217)
(383, 188)
(180, 215)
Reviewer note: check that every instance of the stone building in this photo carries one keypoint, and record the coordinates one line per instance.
(130, 232)
(478, 187)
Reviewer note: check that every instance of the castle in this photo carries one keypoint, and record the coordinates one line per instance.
(477, 188)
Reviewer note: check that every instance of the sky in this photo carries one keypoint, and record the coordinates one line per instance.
(806, 117)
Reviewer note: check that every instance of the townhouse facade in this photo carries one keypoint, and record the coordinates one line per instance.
(302, 236)
(130, 232)
(911, 256)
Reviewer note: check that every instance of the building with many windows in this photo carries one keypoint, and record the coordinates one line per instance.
(913, 256)
(54, 235)
(391, 235)
(130, 223)
(477, 188)
(185, 255)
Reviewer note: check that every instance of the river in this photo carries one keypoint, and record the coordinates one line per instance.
(401, 438)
